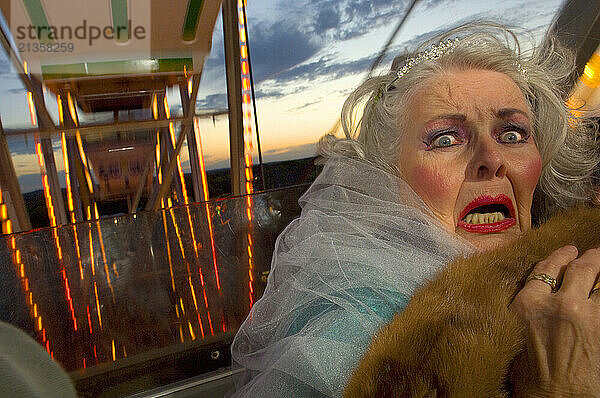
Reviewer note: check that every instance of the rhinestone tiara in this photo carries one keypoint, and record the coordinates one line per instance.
(437, 51)
(434, 52)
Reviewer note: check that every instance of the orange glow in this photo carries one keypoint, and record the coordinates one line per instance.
(7, 227)
(89, 319)
(98, 306)
(72, 109)
(110, 286)
(172, 213)
(210, 229)
(70, 204)
(180, 171)
(168, 250)
(201, 159)
(92, 256)
(31, 108)
(193, 293)
(213, 249)
(38, 151)
(61, 116)
(200, 324)
(158, 165)
(78, 250)
(154, 107)
(25, 68)
(247, 108)
(212, 333)
(191, 331)
(591, 72)
(113, 350)
(45, 184)
(190, 86)
(181, 304)
(88, 178)
(166, 104)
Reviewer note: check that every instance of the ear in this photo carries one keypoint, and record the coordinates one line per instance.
(431, 394)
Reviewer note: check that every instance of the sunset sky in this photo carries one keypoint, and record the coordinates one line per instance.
(307, 56)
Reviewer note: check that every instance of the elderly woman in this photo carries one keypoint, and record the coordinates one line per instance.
(443, 161)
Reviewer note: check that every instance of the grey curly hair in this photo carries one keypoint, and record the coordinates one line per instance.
(566, 143)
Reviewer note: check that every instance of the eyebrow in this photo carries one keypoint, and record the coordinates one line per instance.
(501, 113)
(505, 112)
(454, 116)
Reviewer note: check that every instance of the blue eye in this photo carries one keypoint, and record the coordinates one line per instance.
(512, 137)
(443, 141)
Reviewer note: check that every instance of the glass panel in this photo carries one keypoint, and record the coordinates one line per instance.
(135, 302)
(14, 109)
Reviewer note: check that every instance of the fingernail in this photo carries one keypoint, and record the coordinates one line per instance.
(570, 249)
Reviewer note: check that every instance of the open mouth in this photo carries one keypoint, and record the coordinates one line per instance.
(488, 214)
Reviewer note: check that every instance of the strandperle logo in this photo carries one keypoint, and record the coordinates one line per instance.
(83, 31)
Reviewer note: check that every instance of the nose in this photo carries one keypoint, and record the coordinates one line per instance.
(487, 162)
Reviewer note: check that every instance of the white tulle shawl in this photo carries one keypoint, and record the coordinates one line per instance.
(363, 243)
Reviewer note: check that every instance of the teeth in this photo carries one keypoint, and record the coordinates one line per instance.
(485, 218)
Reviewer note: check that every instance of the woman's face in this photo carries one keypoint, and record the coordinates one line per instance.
(469, 154)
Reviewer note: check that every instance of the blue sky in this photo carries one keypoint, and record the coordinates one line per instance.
(307, 56)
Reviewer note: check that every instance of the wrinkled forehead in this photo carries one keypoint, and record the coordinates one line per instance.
(477, 94)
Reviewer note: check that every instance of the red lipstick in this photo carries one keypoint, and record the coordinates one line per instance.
(493, 227)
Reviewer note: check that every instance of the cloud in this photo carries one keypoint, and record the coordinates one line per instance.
(327, 18)
(30, 182)
(278, 47)
(21, 145)
(291, 152)
(212, 101)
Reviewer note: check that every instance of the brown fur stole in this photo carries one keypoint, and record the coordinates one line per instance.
(456, 337)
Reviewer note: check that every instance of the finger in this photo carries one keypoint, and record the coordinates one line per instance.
(595, 293)
(552, 266)
(581, 274)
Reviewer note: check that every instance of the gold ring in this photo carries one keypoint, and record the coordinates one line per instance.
(544, 278)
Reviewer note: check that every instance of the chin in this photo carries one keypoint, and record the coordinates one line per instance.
(486, 242)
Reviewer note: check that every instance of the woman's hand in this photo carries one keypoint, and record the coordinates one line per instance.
(563, 328)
